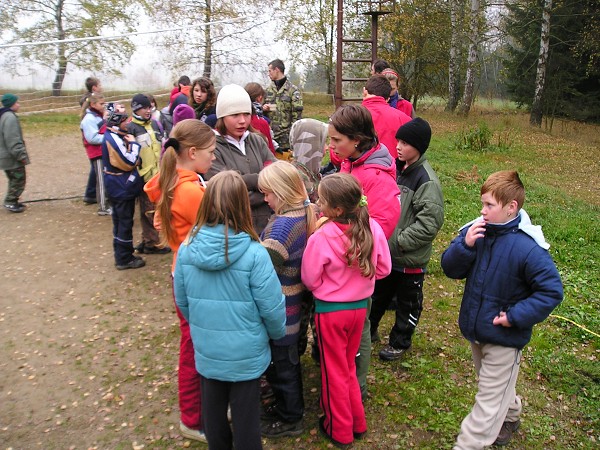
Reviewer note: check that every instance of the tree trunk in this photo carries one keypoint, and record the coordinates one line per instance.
(61, 69)
(467, 99)
(454, 64)
(535, 118)
(207, 40)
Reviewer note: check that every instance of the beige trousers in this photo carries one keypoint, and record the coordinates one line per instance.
(496, 400)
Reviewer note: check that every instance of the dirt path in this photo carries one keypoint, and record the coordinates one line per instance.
(88, 354)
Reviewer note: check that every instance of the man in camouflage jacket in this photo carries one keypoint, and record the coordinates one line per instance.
(282, 106)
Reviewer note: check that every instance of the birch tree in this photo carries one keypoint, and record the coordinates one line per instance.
(535, 117)
(474, 38)
(47, 20)
(454, 60)
(220, 36)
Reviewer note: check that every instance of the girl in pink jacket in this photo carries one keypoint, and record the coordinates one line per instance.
(340, 264)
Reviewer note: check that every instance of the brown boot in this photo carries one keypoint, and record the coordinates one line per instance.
(506, 432)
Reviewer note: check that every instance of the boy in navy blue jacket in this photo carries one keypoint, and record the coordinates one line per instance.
(512, 284)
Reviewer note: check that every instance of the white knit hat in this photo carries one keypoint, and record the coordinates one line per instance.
(233, 99)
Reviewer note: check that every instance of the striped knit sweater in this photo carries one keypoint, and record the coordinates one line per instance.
(284, 237)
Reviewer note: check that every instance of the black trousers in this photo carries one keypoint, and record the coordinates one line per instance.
(244, 399)
(409, 297)
(284, 374)
(122, 217)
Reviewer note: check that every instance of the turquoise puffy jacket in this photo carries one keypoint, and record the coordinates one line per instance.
(234, 305)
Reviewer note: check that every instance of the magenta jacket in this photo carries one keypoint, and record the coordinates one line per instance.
(386, 121)
(325, 270)
(376, 172)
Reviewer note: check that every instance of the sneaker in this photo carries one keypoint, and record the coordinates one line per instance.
(15, 207)
(328, 436)
(135, 263)
(280, 428)
(105, 212)
(188, 433)
(89, 200)
(154, 250)
(506, 432)
(389, 353)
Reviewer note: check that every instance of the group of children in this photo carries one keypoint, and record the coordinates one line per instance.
(240, 277)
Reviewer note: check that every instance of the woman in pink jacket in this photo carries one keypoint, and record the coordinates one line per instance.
(340, 264)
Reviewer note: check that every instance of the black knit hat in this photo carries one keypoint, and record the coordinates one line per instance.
(417, 133)
(140, 101)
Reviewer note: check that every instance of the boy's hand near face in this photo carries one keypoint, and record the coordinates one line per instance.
(475, 231)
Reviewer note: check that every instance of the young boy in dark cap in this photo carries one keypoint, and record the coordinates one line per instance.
(148, 134)
(13, 154)
(411, 242)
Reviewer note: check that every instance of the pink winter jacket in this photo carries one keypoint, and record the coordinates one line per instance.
(376, 172)
(325, 270)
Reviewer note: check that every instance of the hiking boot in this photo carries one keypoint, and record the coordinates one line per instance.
(389, 353)
(280, 428)
(506, 432)
(15, 207)
(135, 263)
(189, 433)
(154, 250)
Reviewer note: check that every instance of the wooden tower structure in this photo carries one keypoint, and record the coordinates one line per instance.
(374, 9)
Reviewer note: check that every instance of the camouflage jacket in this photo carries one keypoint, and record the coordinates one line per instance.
(289, 109)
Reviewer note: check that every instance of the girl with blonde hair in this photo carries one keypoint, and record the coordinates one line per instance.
(285, 238)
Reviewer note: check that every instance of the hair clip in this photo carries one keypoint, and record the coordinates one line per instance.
(306, 203)
(363, 201)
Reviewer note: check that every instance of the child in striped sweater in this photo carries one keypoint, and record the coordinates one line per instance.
(285, 238)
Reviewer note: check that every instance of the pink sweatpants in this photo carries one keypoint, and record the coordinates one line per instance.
(339, 335)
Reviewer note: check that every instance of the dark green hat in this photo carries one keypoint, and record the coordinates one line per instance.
(9, 99)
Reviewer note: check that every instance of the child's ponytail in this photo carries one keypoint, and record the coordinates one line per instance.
(361, 240)
(341, 190)
(167, 180)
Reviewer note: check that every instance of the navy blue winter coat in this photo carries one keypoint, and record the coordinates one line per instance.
(505, 271)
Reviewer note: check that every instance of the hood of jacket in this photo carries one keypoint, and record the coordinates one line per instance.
(207, 247)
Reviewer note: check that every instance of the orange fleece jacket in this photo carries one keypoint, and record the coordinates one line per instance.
(184, 208)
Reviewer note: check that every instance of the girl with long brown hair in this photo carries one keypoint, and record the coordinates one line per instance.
(227, 290)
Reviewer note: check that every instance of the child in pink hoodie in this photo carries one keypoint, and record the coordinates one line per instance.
(340, 264)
